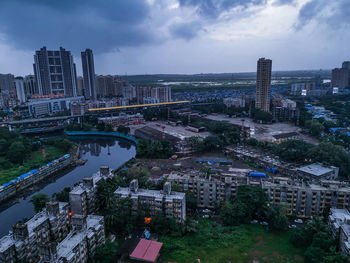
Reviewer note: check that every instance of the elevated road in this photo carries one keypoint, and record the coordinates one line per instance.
(50, 119)
(140, 106)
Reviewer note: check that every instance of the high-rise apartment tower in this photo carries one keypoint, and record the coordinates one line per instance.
(55, 72)
(87, 60)
(263, 84)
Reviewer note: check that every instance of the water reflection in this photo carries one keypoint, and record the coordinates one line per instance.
(98, 151)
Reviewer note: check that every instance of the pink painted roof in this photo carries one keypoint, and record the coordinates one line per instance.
(146, 250)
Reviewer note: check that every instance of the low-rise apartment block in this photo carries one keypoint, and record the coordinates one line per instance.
(34, 239)
(214, 188)
(80, 244)
(172, 204)
(82, 198)
(303, 199)
(306, 200)
(339, 224)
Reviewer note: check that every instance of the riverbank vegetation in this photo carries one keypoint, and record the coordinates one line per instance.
(19, 154)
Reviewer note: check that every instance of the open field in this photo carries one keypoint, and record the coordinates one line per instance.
(36, 160)
(242, 244)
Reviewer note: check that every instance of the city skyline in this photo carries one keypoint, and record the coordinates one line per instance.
(178, 36)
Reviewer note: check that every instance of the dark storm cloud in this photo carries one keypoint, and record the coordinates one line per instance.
(76, 24)
(213, 8)
(334, 13)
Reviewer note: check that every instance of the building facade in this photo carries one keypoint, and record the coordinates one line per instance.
(263, 84)
(31, 88)
(339, 225)
(20, 90)
(82, 198)
(34, 239)
(341, 76)
(47, 106)
(159, 94)
(172, 204)
(87, 61)
(55, 72)
(80, 244)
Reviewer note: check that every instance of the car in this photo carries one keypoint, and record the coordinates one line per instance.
(299, 221)
(206, 211)
(254, 221)
(292, 226)
(205, 216)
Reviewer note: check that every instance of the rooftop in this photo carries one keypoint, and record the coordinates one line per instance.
(146, 250)
(125, 191)
(315, 169)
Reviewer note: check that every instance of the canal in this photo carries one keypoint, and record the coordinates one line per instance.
(97, 151)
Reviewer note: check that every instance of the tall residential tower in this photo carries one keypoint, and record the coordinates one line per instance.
(55, 72)
(87, 60)
(263, 84)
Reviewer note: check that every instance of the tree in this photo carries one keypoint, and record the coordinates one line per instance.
(191, 201)
(109, 128)
(234, 213)
(101, 126)
(300, 237)
(64, 144)
(39, 201)
(62, 196)
(314, 255)
(3, 146)
(292, 150)
(213, 142)
(123, 129)
(197, 143)
(261, 115)
(16, 152)
(315, 127)
(334, 257)
(277, 217)
(332, 154)
(106, 253)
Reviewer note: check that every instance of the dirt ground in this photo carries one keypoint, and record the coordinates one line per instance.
(264, 132)
(160, 167)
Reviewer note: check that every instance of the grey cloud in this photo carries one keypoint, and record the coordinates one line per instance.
(76, 24)
(213, 8)
(318, 10)
(186, 31)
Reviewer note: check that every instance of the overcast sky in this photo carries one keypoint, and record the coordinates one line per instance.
(177, 36)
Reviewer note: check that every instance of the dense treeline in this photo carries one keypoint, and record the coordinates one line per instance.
(15, 148)
(154, 149)
(319, 244)
(303, 152)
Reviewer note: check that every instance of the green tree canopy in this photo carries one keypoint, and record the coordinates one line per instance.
(39, 201)
(16, 152)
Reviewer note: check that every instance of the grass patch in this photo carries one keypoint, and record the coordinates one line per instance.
(35, 160)
(217, 244)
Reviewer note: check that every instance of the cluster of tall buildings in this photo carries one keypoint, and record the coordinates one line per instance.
(55, 87)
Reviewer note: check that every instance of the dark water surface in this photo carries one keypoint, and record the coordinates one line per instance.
(98, 152)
